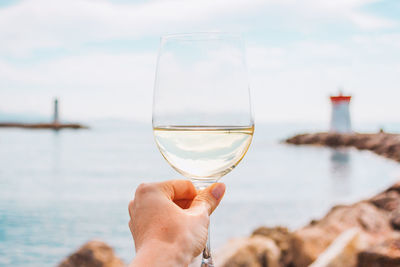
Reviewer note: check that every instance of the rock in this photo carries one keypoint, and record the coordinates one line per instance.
(312, 139)
(388, 200)
(342, 252)
(255, 251)
(395, 187)
(349, 139)
(282, 237)
(386, 254)
(377, 220)
(364, 234)
(93, 254)
(333, 140)
(384, 144)
(54, 126)
(309, 242)
(395, 222)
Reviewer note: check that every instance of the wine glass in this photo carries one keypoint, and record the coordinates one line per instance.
(202, 117)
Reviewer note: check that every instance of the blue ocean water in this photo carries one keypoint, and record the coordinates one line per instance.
(61, 189)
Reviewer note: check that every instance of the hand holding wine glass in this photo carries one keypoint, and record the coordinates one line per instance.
(169, 221)
(202, 117)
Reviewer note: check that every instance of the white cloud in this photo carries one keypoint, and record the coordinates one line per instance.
(44, 23)
(366, 21)
(92, 85)
(38, 24)
(297, 86)
(289, 81)
(391, 40)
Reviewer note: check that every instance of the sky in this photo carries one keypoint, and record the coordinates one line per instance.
(99, 57)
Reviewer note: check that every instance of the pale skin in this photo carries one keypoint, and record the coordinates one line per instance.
(169, 221)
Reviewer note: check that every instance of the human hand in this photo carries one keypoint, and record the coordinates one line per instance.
(169, 221)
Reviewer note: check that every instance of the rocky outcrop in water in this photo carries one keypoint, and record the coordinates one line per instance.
(384, 144)
(93, 254)
(53, 126)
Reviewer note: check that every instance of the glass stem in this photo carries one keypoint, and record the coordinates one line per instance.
(206, 260)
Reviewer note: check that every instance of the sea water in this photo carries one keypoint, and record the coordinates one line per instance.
(61, 189)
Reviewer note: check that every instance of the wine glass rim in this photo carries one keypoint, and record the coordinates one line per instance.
(202, 36)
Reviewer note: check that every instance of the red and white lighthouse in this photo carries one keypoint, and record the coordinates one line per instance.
(340, 117)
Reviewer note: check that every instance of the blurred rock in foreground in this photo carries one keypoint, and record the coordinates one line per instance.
(257, 251)
(384, 144)
(93, 254)
(364, 234)
(282, 238)
(386, 254)
(342, 251)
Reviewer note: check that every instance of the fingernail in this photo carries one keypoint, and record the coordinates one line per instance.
(218, 191)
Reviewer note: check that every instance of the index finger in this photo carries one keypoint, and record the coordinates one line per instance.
(178, 189)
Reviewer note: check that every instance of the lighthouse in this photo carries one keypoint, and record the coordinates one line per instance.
(55, 115)
(340, 117)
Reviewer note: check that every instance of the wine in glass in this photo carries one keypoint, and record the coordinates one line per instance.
(202, 117)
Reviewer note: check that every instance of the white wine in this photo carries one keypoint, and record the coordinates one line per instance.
(203, 153)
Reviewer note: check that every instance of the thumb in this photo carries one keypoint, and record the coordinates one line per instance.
(209, 198)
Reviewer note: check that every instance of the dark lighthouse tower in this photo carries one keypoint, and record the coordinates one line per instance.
(56, 118)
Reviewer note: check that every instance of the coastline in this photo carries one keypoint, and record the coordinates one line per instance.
(363, 234)
(383, 144)
(53, 126)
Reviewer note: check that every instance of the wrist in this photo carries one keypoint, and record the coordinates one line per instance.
(157, 253)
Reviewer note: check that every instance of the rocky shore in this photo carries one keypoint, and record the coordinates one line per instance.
(384, 144)
(364, 234)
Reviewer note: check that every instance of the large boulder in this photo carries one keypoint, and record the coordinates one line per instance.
(256, 251)
(364, 234)
(93, 254)
(377, 219)
(309, 242)
(385, 254)
(343, 251)
(282, 238)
